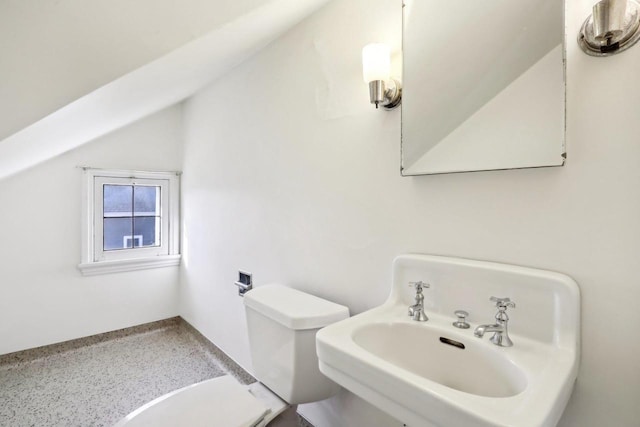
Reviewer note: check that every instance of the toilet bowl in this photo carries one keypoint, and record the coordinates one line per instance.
(282, 324)
(220, 401)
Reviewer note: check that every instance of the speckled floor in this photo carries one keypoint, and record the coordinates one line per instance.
(95, 381)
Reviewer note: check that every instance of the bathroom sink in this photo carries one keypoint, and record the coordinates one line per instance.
(433, 374)
(453, 360)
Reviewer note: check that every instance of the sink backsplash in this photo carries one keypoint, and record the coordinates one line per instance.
(547, 303)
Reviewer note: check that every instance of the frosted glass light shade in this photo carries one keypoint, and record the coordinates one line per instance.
(376, 62)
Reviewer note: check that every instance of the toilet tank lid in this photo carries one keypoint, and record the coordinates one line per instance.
(294, 309)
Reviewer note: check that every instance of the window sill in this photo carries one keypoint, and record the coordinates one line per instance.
(119, 266)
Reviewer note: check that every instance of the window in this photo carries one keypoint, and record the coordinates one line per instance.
(131, 221)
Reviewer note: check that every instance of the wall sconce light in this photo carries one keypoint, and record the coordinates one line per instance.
(376, 70)
(613, 28)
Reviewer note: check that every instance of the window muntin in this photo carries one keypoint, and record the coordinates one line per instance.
(131, 216)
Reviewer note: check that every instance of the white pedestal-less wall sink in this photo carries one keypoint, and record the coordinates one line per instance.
(434, 374)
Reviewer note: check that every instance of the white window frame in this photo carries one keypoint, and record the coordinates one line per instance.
(99, 254)
(97, 261)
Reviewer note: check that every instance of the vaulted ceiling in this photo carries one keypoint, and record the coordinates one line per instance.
(73, 70)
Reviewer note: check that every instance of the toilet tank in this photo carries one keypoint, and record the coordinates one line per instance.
(282, 324)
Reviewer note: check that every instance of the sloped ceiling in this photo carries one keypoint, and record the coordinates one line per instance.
(73, 70)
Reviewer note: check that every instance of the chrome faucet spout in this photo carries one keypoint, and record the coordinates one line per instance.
(413, 308)
(482, 329)
(500, 328)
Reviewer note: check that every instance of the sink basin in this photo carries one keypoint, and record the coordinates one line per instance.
(458, 362)
(431, 374)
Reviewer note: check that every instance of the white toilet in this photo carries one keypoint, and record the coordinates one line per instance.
(282, 324)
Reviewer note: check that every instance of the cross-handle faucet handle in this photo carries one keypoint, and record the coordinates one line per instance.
(419, 285)
(503, 303)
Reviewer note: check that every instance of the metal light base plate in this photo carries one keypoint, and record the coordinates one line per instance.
(630, 34)
(393, 94)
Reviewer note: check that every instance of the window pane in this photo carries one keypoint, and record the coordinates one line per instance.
(146, 200)
(117, 233)
(147, 231)
(117, 200)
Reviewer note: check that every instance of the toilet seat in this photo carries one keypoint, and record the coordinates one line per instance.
(219, 402)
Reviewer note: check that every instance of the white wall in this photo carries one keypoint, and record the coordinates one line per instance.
(292, 175)
(43, 297)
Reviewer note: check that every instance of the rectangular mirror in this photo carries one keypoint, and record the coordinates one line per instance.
(483, 85)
